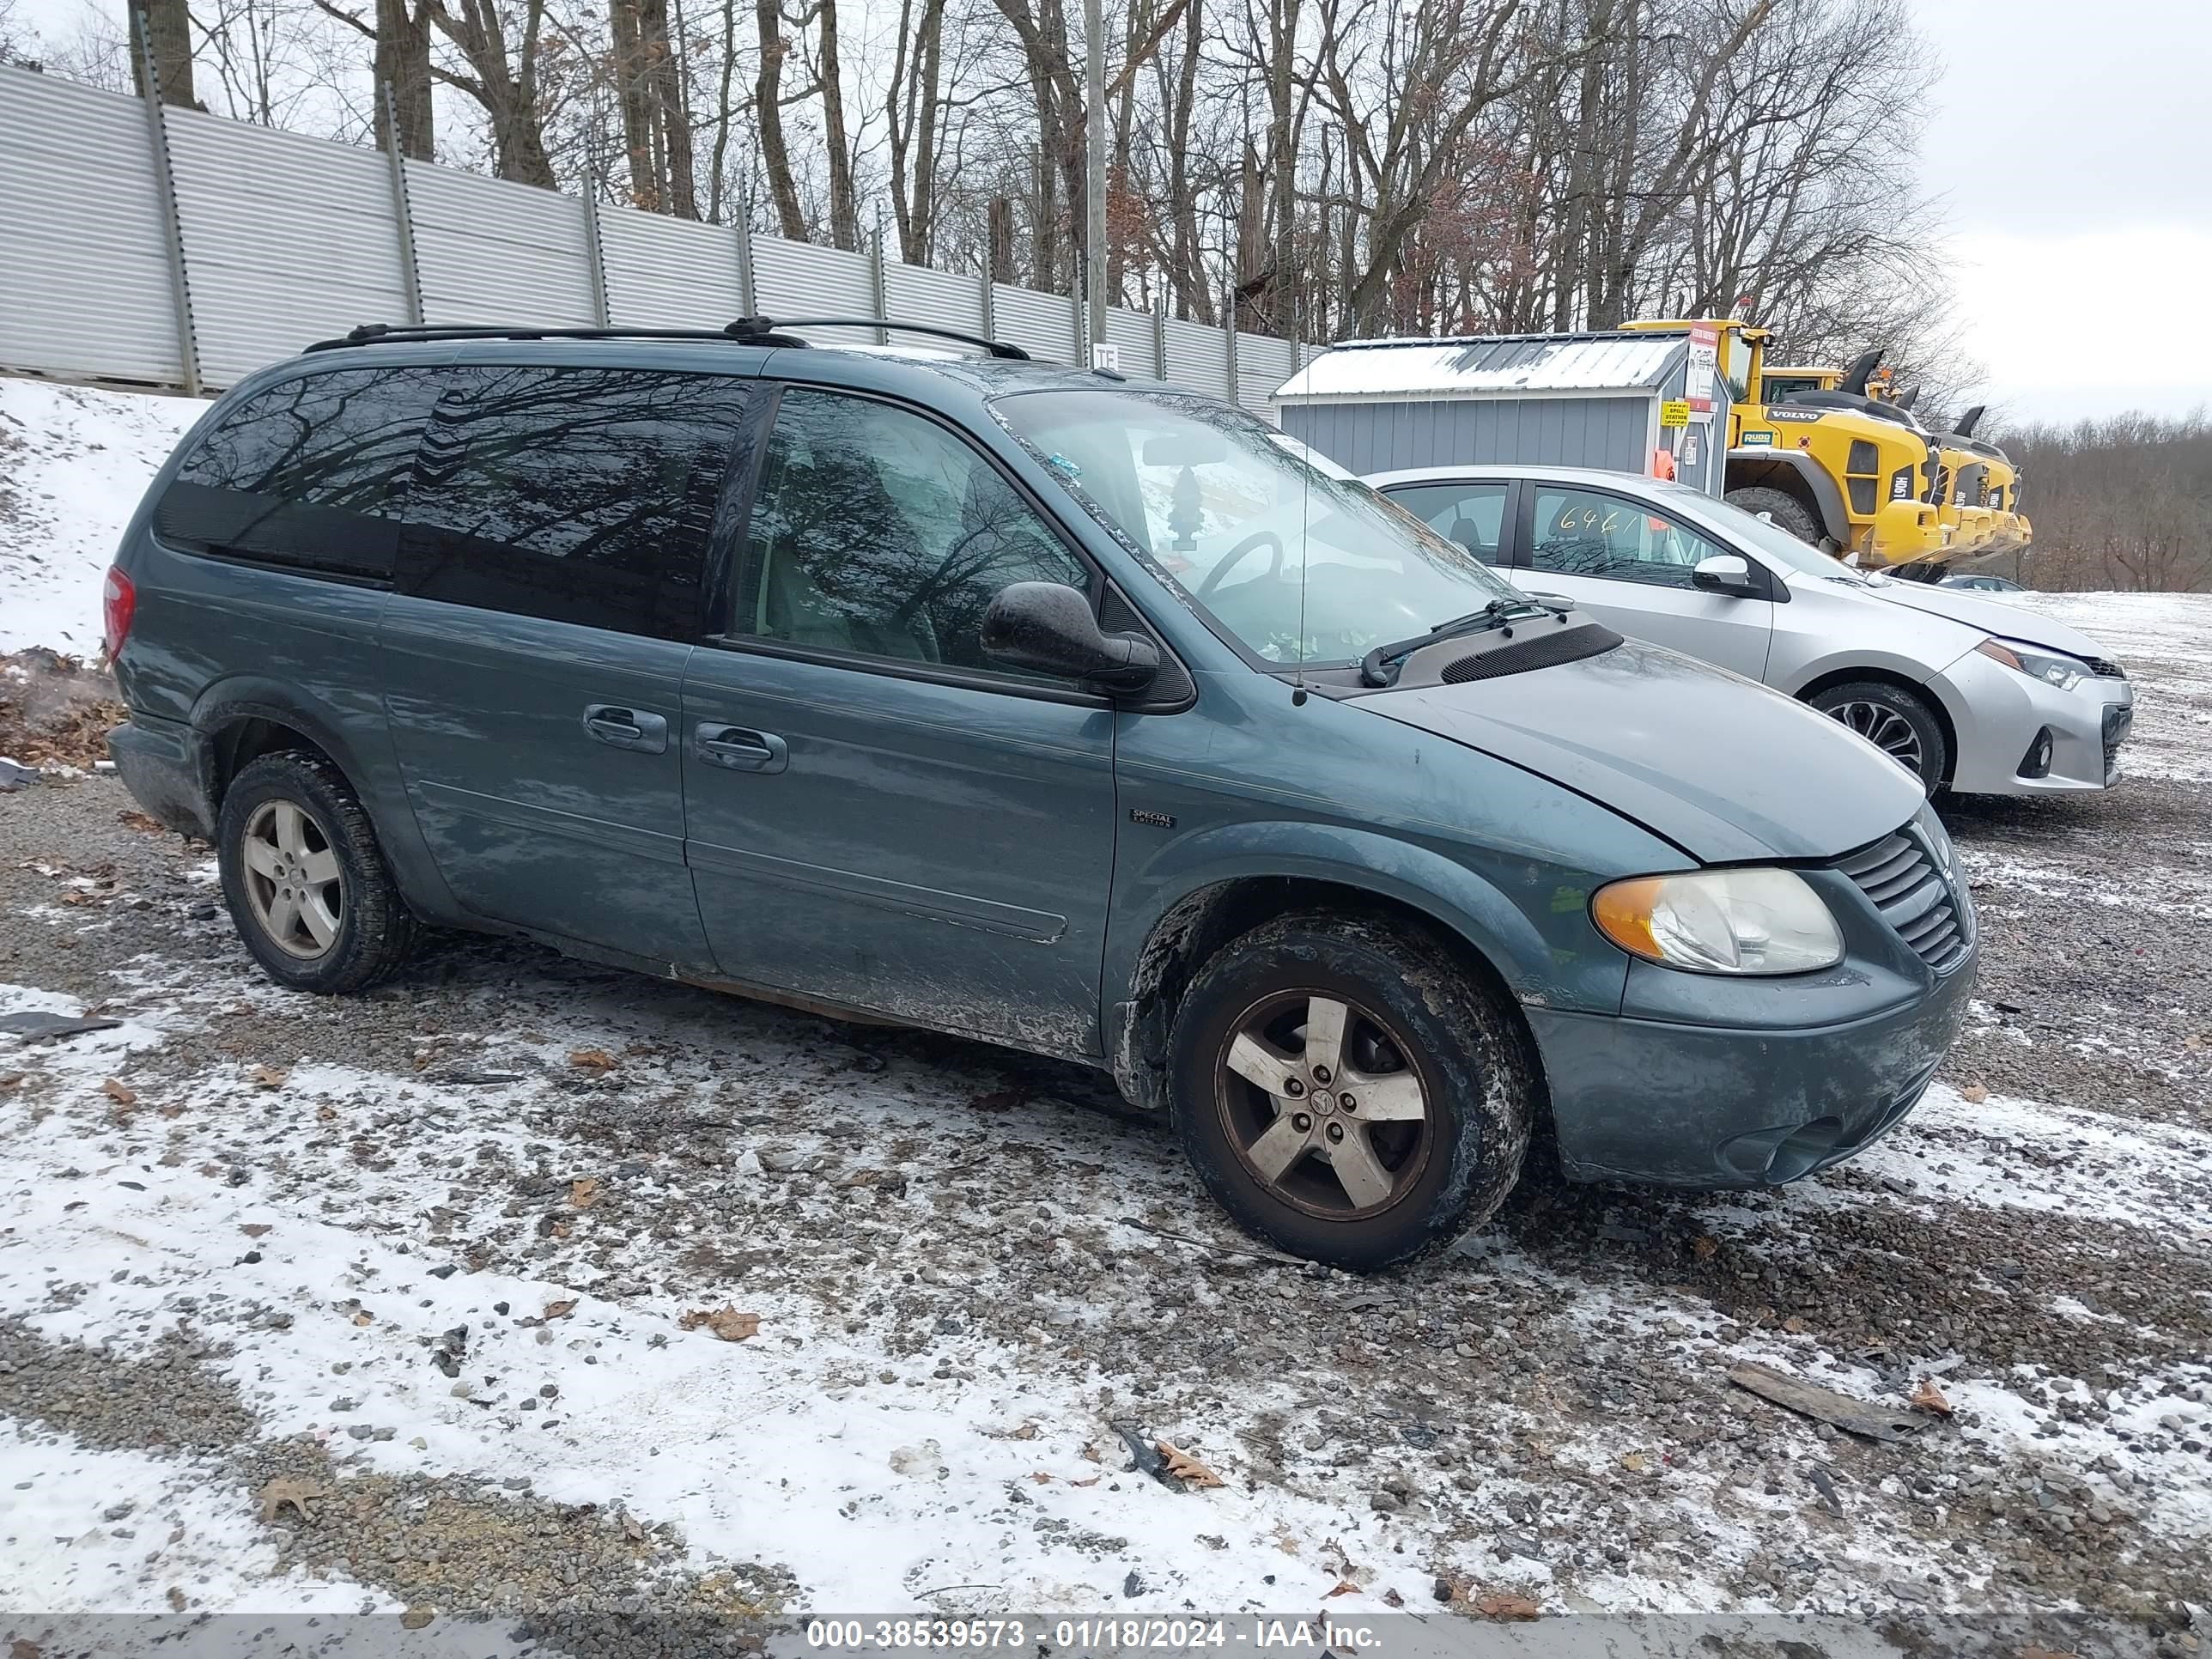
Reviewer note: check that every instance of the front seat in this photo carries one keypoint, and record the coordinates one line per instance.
(1468, 535)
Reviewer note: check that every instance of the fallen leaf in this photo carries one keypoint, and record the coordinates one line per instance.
(289, 1489)
(725, 1321)
(1929, 1398)
(363, 1319)
(121, 1095)
(326, 1114)
(140, 821)
(255, 1228)
(584, 1192)
(1041, 1477)
(1794, 1325)
(1499, 1604)
(1187, 1468)
(562, 1309)
(269, 1076)
(1027, 1431)
(1635, 1463)
(1344, 1587)
(1092, 1481)
(1973, 1094)
(594, 1059)
(1704, 1247)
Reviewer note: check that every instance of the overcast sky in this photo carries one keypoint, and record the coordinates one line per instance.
(2072, 144)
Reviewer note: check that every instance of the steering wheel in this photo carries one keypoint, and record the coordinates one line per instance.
(1235, 556)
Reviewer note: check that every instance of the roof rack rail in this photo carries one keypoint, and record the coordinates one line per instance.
(746, 327)
(744, 331)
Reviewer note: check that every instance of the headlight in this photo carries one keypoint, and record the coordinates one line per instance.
(2064, 672)
(1720, 921)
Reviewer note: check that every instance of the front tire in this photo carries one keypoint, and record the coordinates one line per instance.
(1896, 721)
(306, 883)
(1347, 1092)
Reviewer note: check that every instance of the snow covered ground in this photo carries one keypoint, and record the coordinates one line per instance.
(473, 1265)
(74, 462)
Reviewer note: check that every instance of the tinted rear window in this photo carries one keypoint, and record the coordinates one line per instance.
(311, 474)
(584, 495)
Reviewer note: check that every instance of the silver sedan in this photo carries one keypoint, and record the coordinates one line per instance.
(1976, 695)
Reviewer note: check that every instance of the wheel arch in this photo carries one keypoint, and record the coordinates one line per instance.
(238, 720)
(1798, 474)
(1497, 946)
(1919, 689)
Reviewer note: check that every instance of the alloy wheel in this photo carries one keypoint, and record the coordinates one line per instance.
(292, 880)
(1324, 1104)
(1885, 728)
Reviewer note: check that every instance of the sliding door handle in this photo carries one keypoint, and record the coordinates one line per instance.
(741, 749)
(627, 728)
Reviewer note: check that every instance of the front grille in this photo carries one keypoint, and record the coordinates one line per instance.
(1898, 875)
(2105, 668)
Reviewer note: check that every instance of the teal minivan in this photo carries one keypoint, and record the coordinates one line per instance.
(1033, 706)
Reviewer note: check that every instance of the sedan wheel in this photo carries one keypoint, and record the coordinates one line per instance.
(292, 880)
(1321, 1104)
(1885, 728)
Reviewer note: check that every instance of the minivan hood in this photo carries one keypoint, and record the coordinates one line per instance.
(2009, 622)
(1723, 768)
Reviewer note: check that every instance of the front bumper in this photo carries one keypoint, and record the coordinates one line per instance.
(1905, 533)
(1679, 1104)
(2002, 717)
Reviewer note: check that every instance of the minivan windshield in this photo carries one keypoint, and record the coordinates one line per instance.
(1297, 559)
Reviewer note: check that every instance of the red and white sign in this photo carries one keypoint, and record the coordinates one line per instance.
(1705, 363)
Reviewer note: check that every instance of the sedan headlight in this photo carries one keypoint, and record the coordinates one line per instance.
(1720, 921)
(2064, 672)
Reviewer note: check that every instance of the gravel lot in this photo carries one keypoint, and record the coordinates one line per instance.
(427, 1257)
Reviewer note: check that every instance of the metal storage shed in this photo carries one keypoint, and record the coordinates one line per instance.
(1567, 399)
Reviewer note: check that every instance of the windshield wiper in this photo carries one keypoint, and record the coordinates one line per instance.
(1497, 614)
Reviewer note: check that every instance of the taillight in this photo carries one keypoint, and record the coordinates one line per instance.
(119, 604)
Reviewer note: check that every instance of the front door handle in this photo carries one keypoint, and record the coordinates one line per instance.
(741, 749)
(627, 728)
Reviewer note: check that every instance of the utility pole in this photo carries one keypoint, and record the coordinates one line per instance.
(1094, 172)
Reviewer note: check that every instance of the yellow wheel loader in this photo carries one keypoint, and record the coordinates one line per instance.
(1828, 463)
(1977, 491)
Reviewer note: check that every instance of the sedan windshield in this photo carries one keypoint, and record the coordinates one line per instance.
(1768, 536)
(1297, 560)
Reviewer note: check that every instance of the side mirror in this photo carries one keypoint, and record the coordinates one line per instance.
(1723, 573)
(1048, 629)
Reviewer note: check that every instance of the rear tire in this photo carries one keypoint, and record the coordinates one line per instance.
(1896, 721)
(308, 889)
(1786, 510)
(1437, 1068)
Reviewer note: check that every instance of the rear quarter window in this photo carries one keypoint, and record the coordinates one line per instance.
(311, 474)
(575, 495)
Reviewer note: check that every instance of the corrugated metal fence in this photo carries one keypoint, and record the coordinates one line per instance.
(166, 247)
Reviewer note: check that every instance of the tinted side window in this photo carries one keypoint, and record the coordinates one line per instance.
(1472, 514)
(582, 495)
(1581, 532)
(880, 533)
(311, 473)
